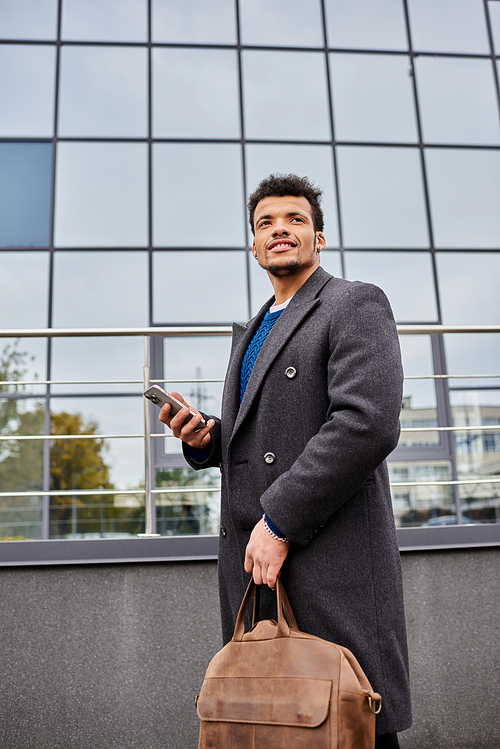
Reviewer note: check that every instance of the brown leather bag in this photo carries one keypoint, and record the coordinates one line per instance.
(276, 687)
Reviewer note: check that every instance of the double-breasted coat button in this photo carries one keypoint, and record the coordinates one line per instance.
(223, 531)
(269, 458)
(290, 372)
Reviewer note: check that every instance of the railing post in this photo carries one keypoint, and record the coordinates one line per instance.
(150, 509)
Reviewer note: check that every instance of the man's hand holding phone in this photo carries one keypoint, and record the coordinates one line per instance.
(187, 431)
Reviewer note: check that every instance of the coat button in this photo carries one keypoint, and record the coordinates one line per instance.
(290, 372)
(223, 531)
(269, 458)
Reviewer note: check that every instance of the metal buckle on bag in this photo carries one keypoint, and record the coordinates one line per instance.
(372, 704)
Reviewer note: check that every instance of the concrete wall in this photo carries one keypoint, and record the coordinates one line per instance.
(113, 655)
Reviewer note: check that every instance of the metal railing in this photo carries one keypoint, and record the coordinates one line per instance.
(215, 330)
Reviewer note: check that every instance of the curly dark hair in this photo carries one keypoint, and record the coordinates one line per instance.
(282, 185)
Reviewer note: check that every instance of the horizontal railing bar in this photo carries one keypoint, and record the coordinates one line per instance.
(8, 437)
(127, 382)
(104, 492)
(214, 330)
(212, 489)
(451, 377)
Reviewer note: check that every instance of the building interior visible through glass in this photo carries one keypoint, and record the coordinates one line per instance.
(128, 145)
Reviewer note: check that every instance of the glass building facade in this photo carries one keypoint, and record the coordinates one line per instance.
(131, 133)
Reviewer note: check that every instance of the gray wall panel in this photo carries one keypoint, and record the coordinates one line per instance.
(113, 655)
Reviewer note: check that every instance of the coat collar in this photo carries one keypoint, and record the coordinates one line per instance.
(303, 301)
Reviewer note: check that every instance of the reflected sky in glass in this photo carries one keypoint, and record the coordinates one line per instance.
(381, 197)
(97, 359)
(494, 10)
(406, 278)
(195, 93)
(206, 287)
(110, 21)
(34, 357)
(366, 24)
(28, 19)
(100, 289)
(314, 162)
(372, 98)
(272, 109)
(25, 194)
(27, 76)
(473, 353)
(458, 101)
(197, 195)
(448, 26)
(288, 23)
(101, 195)
(114, 416)
(416, 353)
(468, 284)
(24, 283)
(464, 189)
(195, 21)
(103, 92)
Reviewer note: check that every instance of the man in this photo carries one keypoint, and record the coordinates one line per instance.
(310, 412)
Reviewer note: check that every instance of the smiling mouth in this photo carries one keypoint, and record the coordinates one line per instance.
(281, 246)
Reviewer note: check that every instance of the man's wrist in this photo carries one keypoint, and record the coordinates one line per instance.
(273, 530)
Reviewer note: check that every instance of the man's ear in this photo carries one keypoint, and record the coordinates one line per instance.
(320, 241)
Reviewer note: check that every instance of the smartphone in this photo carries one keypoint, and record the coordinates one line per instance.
(159, 397)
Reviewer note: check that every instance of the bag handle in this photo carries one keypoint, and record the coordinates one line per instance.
(286, 617)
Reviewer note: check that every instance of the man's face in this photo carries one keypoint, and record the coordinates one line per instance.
(285, 241)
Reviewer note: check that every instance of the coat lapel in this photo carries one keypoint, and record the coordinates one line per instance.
(300, 306)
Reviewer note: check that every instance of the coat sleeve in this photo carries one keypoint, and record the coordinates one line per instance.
(364, 382)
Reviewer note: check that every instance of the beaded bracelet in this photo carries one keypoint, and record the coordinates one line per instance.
(273, 530)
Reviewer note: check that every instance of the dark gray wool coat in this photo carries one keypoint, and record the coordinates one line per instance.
(330, 422)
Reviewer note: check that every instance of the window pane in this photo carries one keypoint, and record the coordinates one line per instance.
(365, 24)
(372, 98)
(92, 464)
(23, 359)
(100, 289)
(77, 359)
(478, 453)
(188, 512)
(103, 92)
(468, 285)
(464, 188)
(314, 162)
(25, 194)
(265, 74)
(101, 195)
(195, 359)
(494, 10)
(21, 469)
(473, 354)
(195, 93)
(28, 19)
(458, 100)
(193, 21)
(448, 26)
(113, 21)
(419, 396)
(405, 277)
(192, 287)
(197, 195)
(25, 286)
(431, 505)
(381, 197)
(297, 21)
(27, 75)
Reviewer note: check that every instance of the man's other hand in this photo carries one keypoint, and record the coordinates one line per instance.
(186, 432)
(264, 556)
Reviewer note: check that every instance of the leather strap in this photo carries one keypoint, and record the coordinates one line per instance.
(286, 617)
